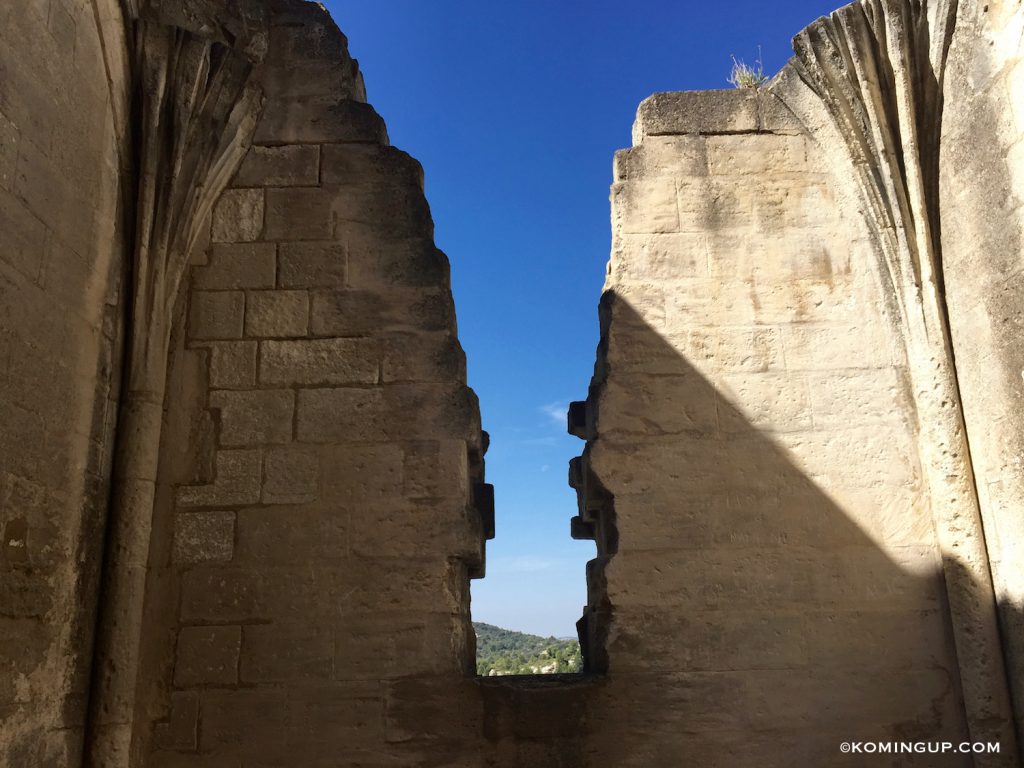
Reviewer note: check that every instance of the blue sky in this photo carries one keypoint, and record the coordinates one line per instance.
(515, 110)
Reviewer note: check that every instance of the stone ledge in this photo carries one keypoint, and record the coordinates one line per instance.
(719, 112)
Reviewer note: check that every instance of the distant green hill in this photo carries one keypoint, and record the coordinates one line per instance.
(504, 652)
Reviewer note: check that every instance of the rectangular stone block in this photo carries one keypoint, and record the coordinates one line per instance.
(356, 473)
(375, 646)
(658, 405)
(233, 364)
(181, 730)
(329, 721)
(277, 314)
(290, 475)
(280, 166)
(207, 656)
(724, 300)
(697, 112)
(430, 528)
(773, 402)
(224, 595)
(756, 154)
(299, 213)
(854, 457)
(345, 163)
(257, 417)
(731, 349)
(312, 265)
(216, 315)
(422, 357)
(227, 726)
(342, 415)
(238, 216)
(802, 204)
(319, 120)
(415, 584)
(234, 266)
(204, 536)
(659, 257)
(357, 313)
(857, 398)
(852, 577)
(282, 653)
(389, 211)
(319, 362)
(405, 263)
(783, 257)
(434, 469)
(236, 482)
(662, 156)
(311, 77)
(645, 207)
(816, 347)
(710, 205)
(291, 536)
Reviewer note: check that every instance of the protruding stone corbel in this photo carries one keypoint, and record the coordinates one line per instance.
(195, 110)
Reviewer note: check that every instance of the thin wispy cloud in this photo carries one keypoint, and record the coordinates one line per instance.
(523, 564)
(556, 412)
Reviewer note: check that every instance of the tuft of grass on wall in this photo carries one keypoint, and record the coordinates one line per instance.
(745, 76)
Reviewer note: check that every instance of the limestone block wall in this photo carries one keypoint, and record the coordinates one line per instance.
(62, 111)
(770, 581)
(982, 192)
(317, 519)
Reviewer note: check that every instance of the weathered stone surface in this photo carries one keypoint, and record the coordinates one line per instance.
(312, 265)
(272, 654)
(207, 656)
(259, 417)
(217, 315)
(283, 166)
(233, 364)
(341, 414)
(348, 163)
(299, 213)
(238, 216)
(291, 475)
(237, 265)
(764, 485)
(203, 536)
(237, 481)
(63, 251)
(411, 263)
(316, 361)
(697, 112)
(277, 314)
(272, 536)
(181, 731)
(349, 313)
(319, 119)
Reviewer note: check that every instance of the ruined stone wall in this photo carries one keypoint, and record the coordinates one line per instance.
(63, 91)
(982, 193)
(316, 522)
(774, 584)
(786, 557)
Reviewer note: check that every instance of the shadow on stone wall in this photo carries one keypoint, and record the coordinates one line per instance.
(754, 621)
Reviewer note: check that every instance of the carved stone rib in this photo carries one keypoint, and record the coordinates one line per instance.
(878, 68)
(196, 111)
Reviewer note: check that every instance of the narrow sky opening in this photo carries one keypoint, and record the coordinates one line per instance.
(515, 111)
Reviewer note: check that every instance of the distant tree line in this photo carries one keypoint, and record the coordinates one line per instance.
(504, 652)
